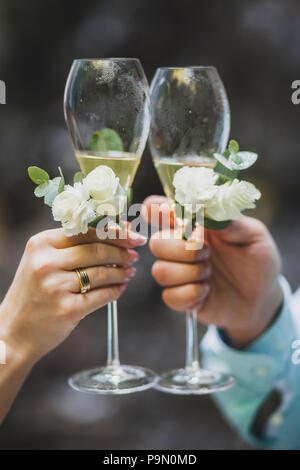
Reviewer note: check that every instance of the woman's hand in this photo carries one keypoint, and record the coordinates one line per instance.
(44, 303)
(232, 282)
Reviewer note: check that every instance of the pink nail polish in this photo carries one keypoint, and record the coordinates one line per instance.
(205, 290)
(122, 288)
(133, 256)
(130, 273)
(135, 239)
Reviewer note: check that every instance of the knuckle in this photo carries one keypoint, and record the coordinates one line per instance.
(35, 242)
(66, 306)
(40, 266)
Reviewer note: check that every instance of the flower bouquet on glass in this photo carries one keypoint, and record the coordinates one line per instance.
(190, 126)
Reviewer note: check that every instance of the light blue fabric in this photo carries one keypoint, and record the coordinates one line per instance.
(264, 366)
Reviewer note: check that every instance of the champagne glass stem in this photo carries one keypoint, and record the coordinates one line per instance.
(112, 335)
(192, 345)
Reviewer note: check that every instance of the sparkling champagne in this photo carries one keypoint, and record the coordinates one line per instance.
(123, 164)
(167, 167)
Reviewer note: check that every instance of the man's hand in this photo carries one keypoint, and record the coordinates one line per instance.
(232, 282)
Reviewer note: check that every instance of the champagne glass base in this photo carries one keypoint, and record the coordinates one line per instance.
(193, 382)
(113, 380)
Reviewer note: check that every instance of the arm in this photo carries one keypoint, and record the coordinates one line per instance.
(43, 304)
(236, 290)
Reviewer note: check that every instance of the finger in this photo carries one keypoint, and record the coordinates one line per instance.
(100, 276)
(95, 254)
(243, 231)
(97, 298)
(157, 212)
(168, 245)
(113, 236)
(167, 273)
(185, 297)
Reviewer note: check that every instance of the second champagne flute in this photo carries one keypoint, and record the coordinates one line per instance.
(107, 113)
(190, 121)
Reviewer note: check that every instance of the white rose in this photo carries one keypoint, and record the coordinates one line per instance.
(114, 205)
(101, 183)
(195, 186)
(73, 209)
(232, 198)
(104, 187)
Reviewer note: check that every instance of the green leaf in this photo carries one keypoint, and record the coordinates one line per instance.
(214, 224)
(95, 221)
(37, 175)
(41, 190)
(61, 185)
(105, 140)
(78, 177)
(129, 197)
(52, 191)
(225, 173)
(233, 146)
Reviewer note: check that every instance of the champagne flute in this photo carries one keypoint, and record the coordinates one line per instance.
(190, 120)
(106, 107)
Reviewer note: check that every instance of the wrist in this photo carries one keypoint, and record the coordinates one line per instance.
(262, 317)
(17, 353)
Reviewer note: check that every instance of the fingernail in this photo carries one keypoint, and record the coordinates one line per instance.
(205, 290)
(130, 273)
(135, 239)
(133, 256)
(122, 288)
(204, 253)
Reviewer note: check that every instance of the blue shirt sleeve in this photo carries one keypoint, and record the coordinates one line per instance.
(270, 363)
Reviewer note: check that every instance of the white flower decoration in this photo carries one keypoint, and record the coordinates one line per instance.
(73, 209)
(109, 198)
(230, 199)
(195, 186)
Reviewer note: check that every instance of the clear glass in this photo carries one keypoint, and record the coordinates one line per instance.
(109, 93)
(190, 120)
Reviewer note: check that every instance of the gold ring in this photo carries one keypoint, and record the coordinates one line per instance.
(84, 281)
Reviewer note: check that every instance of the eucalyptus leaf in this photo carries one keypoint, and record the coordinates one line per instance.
(41, 190)
(233, 147)
(225, 173)
(246, 160)
(223, 160)
(78, 177)
(37, 175)
(61, 185)
(52, 191)
(105, 140)
(129, 197)
(96, 220)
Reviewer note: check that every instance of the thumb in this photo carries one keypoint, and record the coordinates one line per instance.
(243, 231)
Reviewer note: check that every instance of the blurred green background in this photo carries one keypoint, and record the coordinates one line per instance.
(255, 44)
